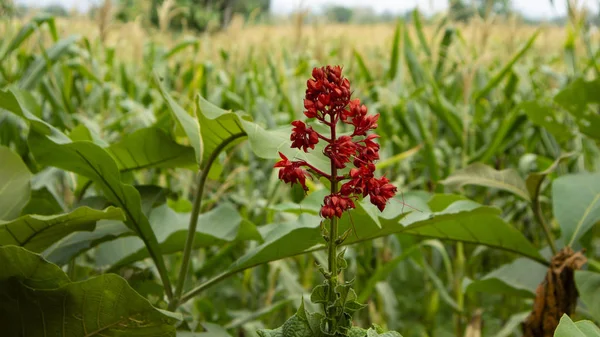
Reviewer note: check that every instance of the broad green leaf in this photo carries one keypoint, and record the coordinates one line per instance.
(187, 122)
(212, 330)
(519, 278)
(51, 147)
(567, 328)
(440, 202)
(222, 224)
(576, 204)
(76, 243)
(546, 117)
(101, 306)
(150, 148)
(483, 175)
(42, 202)
(15, 186)
(225, 128)
(18, 262)
(464, 221)
(580, 98)
(221, 127)
(588, 284)
(534, 180)
(38, 232)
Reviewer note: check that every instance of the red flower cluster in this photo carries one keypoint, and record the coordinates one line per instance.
(328, 99)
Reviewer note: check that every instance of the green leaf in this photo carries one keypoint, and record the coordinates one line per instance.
(470, 222)
(395, 54)
(440, 202)
(42, 202)
(588, 284)
(579, 98)
(51, 147)
(319, 293)
(150, 148)
(566, 328)
(225, 128)
(483, 175)
(464, 221)
(519, 278)
(74, 244)
(26, 31)
(187, 122)
(373, 333)
(576, 204)
(38, 232)
(101, 306)
(506, 69)
(534, 180)
(222, 224)
(35, 72)
(15, 186)
(545, 116)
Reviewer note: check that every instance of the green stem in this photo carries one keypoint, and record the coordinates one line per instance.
(537, 211)
(191, 234)
(332, 243)
(458, 290)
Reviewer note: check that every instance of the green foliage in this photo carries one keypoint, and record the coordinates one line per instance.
(105, 305)
(568, 328)
(98, 157)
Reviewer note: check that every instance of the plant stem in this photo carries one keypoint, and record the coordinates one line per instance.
(332, 243)
(458, 290)
(191, 234)
(537, 211)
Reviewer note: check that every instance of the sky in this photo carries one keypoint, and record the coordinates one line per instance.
(540, 9)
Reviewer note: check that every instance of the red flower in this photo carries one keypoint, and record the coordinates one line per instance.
(340, 150)
(303, 137)
(328, 99)
(367, 153)
(380, 191)
(292, 171)
(327, 92)
(336, 205)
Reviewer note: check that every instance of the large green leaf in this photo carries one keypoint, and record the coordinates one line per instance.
(588, 284)
(150, 148)
(567, 328)
(15, 186)
(38, 232)
(222, 224)
(483, 175)
(187, 122)
(546, 117)
(519, 278)
(576, 204)
(464, 221)
(579, 98)
(39, 300)
(75, 243)
(51, 147)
